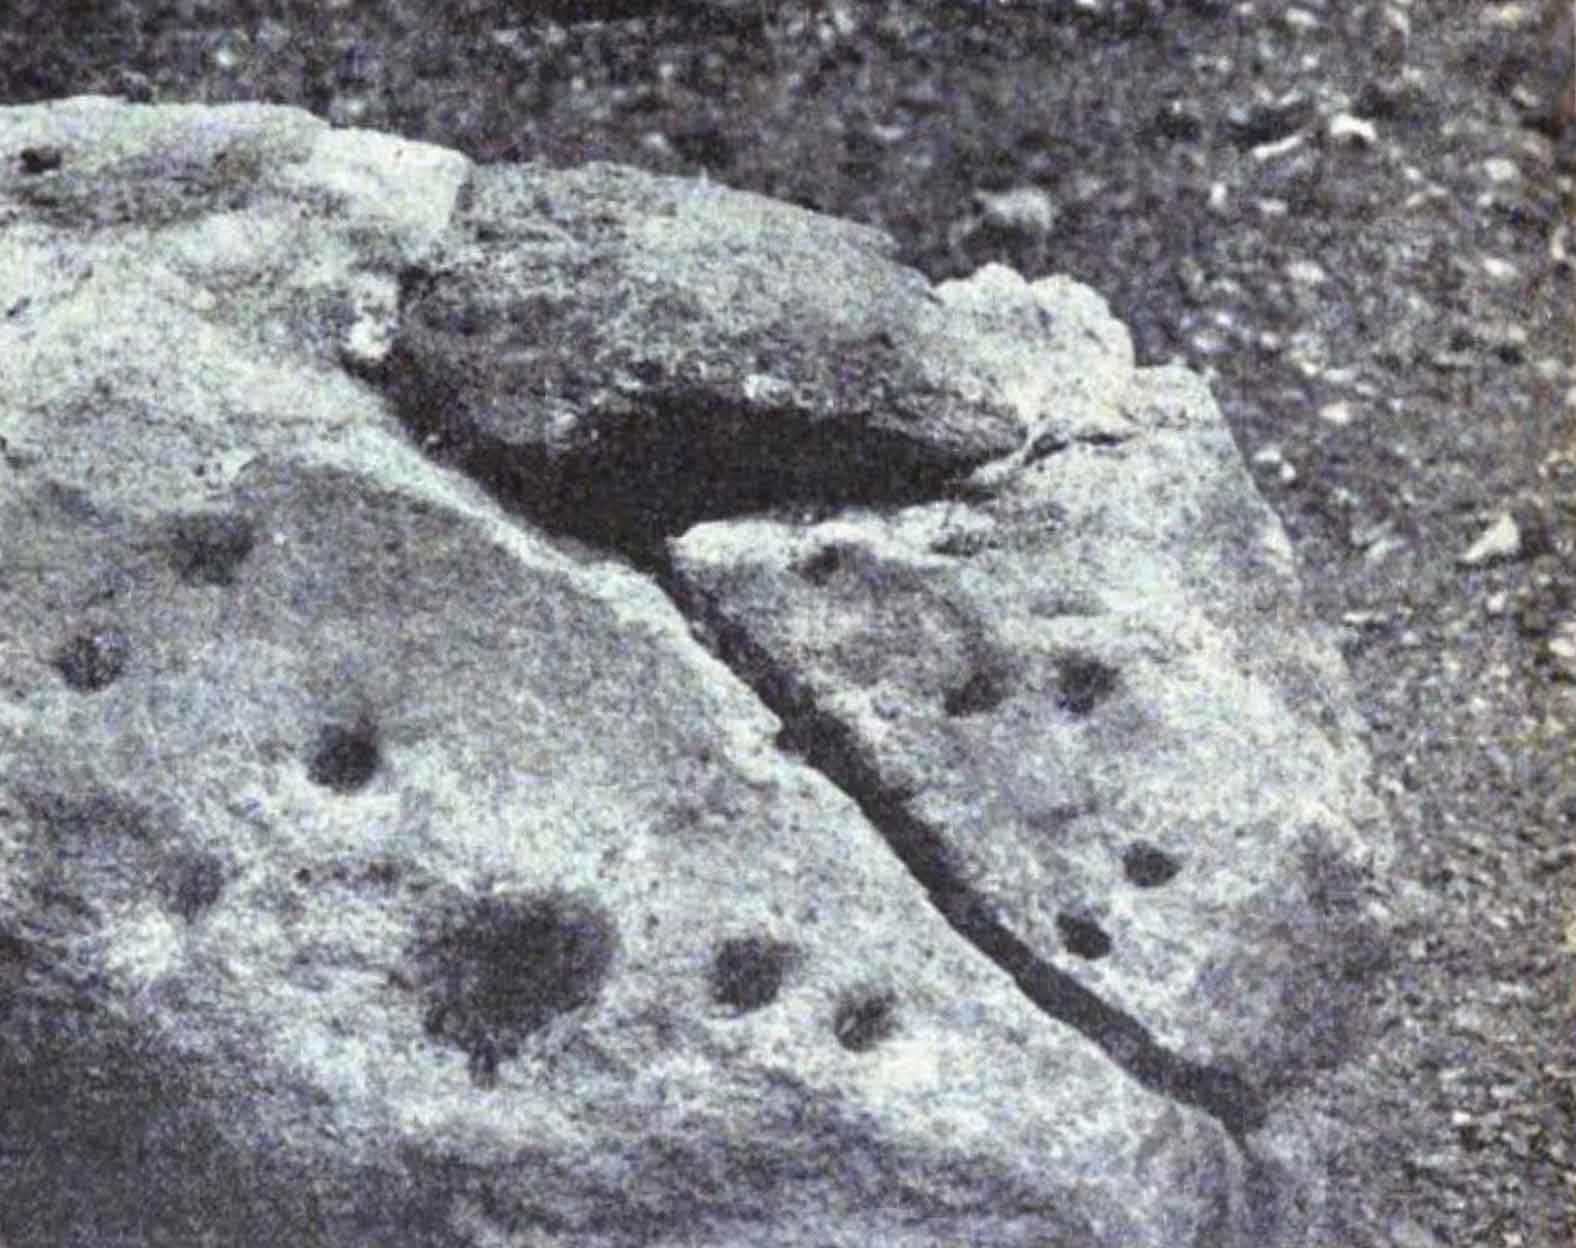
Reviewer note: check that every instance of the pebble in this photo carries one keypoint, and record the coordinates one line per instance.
(1305, 273)
(1501, 171)
(1500, 541)
(1346, 130)
(1500, 271)
(1025, 210)
(1283, 147)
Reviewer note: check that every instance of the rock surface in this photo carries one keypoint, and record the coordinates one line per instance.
(678, 350)
(1079, 707)
(390, 854)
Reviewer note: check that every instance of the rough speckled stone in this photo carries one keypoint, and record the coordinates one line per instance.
(389, 854)
(591, 327)
(1088, 708)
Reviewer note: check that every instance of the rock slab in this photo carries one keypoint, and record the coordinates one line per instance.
(679, 350)
(452, 795)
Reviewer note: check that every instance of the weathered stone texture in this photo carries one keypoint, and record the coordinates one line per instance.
(679, 350)
(452, 796)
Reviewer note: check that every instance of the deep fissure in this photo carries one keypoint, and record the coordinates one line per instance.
(822, 743)
(637, 525)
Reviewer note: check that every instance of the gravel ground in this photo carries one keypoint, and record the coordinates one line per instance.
(1351, 216)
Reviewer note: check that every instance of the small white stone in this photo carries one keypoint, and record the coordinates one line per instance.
(763, 387)
(374, 299)
(1499, 270)
(1281, 147)
(1026, 211)
(1501, 540)
(1562, 646)
(1305, 273)
(1382, 549)
(1346, 130)
(1338, 414)
(1208, 342)
(1389, 36)
(1506, 16)
(1501, 171)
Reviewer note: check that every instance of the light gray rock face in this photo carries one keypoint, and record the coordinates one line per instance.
(416, 830)
(1085, 707)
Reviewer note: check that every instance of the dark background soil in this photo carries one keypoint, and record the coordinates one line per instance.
(1387, 326)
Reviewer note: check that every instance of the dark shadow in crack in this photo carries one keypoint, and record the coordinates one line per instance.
(1221, 1093)
(823, 743)
(680, 461)
(629, 481)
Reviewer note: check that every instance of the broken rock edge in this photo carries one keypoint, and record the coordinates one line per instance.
(636, 523)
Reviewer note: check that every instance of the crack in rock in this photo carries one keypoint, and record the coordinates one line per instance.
(557, 353)
(820, 741)
(1232, 1100)
(638, 522)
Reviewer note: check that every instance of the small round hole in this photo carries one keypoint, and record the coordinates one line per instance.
(210, 547)
(1148, 867)
(346, 757)
(1083, 683)
(822, 566)
(1082, 937)
(748, 973)
(198, 885)
(509, 967)
(985, 690)
(92, 661)
(864, 1021)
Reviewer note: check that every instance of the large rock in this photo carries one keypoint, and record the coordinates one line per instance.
(1085, 707)
(416, 830)
(677, 350)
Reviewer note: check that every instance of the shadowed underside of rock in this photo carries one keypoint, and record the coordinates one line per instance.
(576, 708)
(675, 350)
